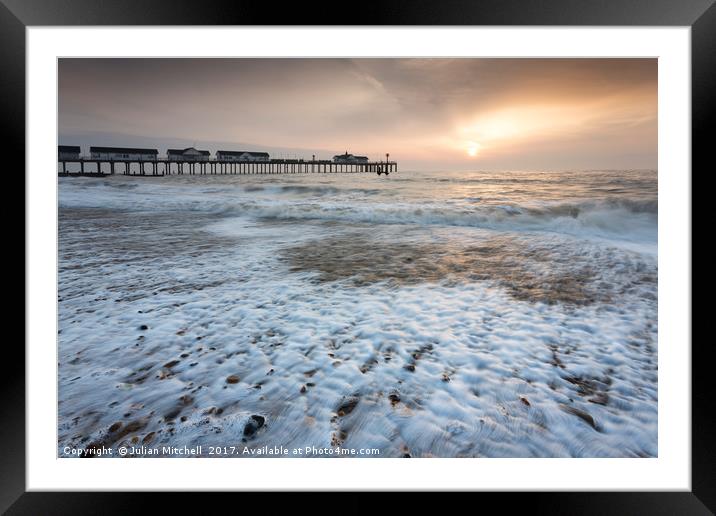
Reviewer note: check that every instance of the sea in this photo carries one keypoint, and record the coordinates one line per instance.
(420, 314)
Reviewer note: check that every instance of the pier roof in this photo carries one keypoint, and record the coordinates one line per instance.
(124, 150)
(183, 151)
(239, 153)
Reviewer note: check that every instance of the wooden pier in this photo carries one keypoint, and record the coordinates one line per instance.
(164, 167)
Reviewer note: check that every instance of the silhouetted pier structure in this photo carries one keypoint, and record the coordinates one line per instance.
(89, 166)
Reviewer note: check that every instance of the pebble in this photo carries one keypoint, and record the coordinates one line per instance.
(347, 406)
(253, 424)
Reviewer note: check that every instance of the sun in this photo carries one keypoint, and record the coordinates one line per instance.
(473, 149)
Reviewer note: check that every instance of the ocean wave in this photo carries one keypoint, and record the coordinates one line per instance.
(626, 217)
(629, 219)
(625, 220)
(309, 190)
(574, 210)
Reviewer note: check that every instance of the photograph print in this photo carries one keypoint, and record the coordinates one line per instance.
(367, 257)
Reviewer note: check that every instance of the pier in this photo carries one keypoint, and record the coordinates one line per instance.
(159, 167)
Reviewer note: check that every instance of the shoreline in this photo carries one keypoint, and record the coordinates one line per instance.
(188, 318)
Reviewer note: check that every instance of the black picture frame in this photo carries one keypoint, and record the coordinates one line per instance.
(700, 15)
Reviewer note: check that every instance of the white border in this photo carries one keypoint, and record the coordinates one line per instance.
(670, 471)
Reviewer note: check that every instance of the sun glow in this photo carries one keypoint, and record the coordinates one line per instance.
(473, 149)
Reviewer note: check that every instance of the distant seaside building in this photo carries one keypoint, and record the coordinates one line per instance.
(66, 152)
(123, 153)
(188, 154)
(349, 158)
(223, 155)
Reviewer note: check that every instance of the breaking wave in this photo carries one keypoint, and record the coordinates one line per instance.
(631, 217)
(631, 220)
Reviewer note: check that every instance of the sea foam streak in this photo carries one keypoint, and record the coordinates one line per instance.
(438, 314)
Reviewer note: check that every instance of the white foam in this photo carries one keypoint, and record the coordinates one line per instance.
(493, 376)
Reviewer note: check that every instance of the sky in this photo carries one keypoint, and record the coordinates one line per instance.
(429, 114)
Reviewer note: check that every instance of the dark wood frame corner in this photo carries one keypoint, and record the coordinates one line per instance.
(700, 15)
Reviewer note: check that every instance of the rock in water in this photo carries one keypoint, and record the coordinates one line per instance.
(347, 406)
(584, 416)
(253, 424)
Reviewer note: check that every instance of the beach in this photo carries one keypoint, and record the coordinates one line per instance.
(423, 314)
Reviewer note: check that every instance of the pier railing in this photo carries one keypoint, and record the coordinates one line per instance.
(164, 165)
